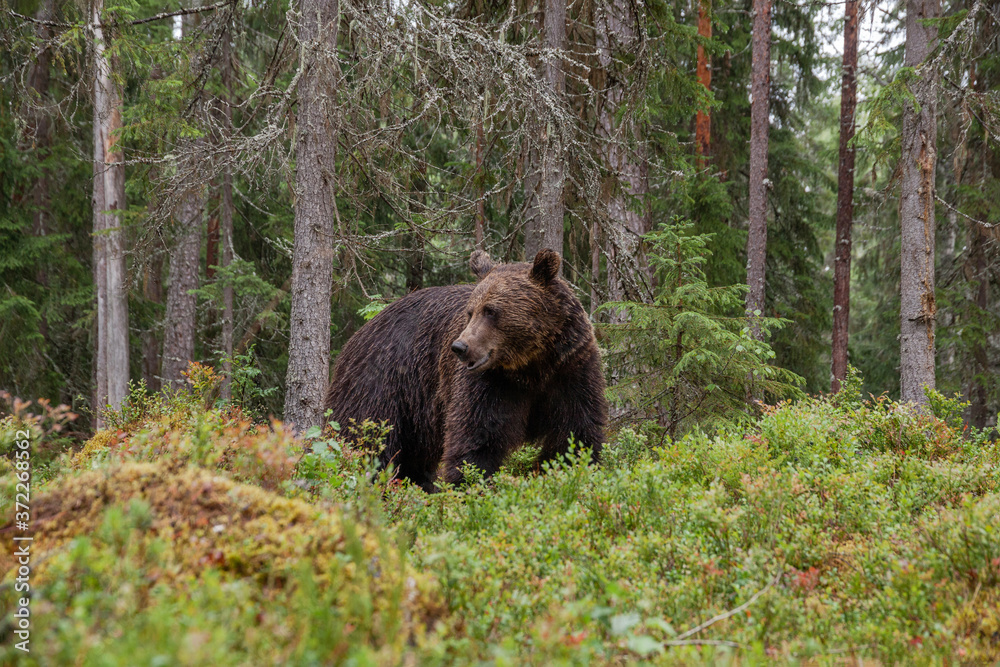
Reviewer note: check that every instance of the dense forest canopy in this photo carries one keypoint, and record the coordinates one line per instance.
(618, 132)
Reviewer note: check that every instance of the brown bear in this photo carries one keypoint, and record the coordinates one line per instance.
(468, 373)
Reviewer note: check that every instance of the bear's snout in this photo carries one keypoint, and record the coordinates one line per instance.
(472, 359)
(475, 346)
(473, 356)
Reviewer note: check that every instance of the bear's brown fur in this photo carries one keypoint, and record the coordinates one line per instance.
(470, 372)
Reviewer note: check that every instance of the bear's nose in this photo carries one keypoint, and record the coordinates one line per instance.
(459, 348)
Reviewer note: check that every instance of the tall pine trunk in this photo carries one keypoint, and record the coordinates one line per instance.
(152, 291)
(845, 197)
(212, 246)
(759, 128)
(38, 134)
(99, 330)
(703, 120)
(226, 223)
(312, 253)
(980, 275)
(112, 371)
(152, 286)
(180, 320)
(546, 176)
(180, 317)
(617, 33)
(226, 235)
(916, 209)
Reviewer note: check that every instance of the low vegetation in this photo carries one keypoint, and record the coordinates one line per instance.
(827, 529)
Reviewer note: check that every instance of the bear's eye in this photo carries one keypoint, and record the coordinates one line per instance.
(490, 312)
(468, 314)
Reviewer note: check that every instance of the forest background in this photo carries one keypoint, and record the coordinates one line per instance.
(444, 127)
(199, 204)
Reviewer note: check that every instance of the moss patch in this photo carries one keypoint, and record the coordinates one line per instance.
(161, 530)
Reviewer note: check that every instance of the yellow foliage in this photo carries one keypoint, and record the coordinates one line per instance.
(248, 452)
(101, 442)
(976, 625)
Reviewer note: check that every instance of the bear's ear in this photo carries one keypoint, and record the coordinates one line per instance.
(546, 266)
(480, 263)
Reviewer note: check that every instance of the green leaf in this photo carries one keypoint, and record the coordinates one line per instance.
(622, 623)
(644, 645)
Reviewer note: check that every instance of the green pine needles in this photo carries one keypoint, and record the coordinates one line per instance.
(688, 357)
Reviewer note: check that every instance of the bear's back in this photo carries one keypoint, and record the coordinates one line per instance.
(388, 369)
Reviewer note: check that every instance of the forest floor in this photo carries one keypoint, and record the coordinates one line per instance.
(826, 532)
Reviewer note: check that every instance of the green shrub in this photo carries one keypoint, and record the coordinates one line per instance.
(688, 358)
(847, 527)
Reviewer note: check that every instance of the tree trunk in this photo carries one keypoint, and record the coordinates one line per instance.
(312, 254)
(617, 32)
(109, 245)
(916, 209)
(211, 259)
(544, 182)
(180, 320)
(226, 223)
(212, 247)
(845, 197)
(703, 121)
(759, 127)
(152, 286)
(38, 135)
(226, 234)
(99, 399)
(152, 290)
(978, 395)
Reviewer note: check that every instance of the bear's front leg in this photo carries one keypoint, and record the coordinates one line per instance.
(575, 406)
(481, 432)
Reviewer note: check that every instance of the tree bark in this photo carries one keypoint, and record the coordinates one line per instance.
(617, 32)
(845, 197)
(99, 398)
(703, 120)
(109, 245)
(759, 129)
(226, 234)
(545, 179)
(312, 253)
(180, 320)
(38, 134)
(212, 247)
(916, 209)
(977, 393)
(226, 223)
(152, 290)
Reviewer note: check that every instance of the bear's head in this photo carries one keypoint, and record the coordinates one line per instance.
(515, 313)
